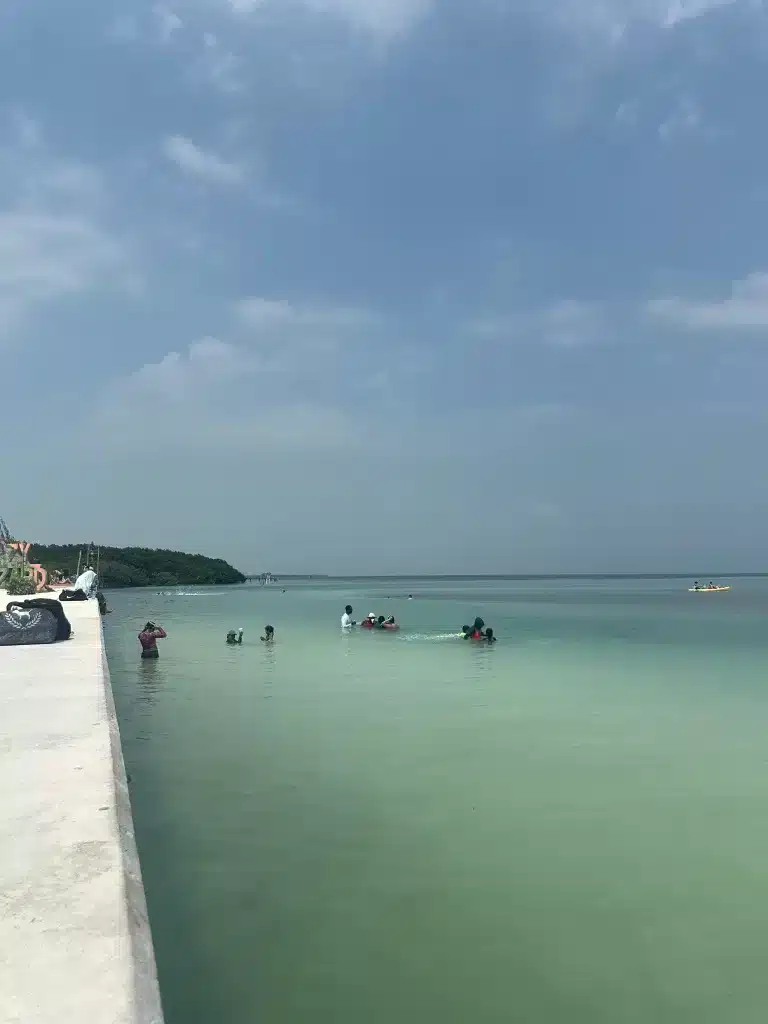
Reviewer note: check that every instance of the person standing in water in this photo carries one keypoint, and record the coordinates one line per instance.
(235, 637)
(148, 638)
(347, 622)
(269, 635)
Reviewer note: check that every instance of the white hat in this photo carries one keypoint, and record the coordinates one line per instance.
(372, 615)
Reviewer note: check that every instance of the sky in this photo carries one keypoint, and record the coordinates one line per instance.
(388, 286)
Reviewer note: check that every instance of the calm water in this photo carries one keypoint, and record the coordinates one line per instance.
(568, 827)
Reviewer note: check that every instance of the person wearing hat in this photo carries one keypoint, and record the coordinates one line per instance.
(370, 622)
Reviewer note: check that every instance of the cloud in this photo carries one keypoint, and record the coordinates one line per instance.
(260, 387)
(201, 164)
(686, 10)
(205, 397)
(167, 22)
(384, 18)
(565, 322)
(612, 19)
(746, 308)
(218, 66)
(52, 242)
(260, 313)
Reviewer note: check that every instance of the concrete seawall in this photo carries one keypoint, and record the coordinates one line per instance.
(75, 941)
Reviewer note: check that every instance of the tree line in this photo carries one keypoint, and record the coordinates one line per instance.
(138, 567)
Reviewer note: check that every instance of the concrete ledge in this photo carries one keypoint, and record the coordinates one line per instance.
(75, 942)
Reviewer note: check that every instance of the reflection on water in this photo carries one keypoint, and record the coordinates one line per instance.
(565, 827)
(151, 678)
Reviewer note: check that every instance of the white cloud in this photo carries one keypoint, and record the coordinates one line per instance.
(383, 18)
(205, 396)
(245, 6)
(200, 163)
(167, 22)
(686, 10)
(611, 19)
(219, 66)
(260, 313)
(53, 244)
(746, 308)
(256, 389)
(388, 18)
(566, 322)
(608, 18)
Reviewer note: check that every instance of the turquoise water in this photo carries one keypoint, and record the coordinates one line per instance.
(567, 827)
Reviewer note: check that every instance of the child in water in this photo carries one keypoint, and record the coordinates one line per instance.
(478, 632)
(235, 637)
(269, 636)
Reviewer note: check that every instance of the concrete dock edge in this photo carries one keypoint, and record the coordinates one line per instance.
(146, 988)
(75, 939)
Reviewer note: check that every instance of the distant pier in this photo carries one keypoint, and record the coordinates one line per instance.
(75, 941)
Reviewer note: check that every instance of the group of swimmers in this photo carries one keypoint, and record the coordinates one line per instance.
(379, 622)
(478, 631)
(371, 621)
(237, 637)
(151, 632)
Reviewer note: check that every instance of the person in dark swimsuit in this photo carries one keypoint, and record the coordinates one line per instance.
(148, 638)
(269, 635)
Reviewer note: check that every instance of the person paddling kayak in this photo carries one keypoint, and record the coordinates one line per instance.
(148, 638)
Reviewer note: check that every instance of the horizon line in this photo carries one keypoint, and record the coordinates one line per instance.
(515, 576)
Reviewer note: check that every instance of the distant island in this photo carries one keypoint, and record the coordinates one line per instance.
(139, 567)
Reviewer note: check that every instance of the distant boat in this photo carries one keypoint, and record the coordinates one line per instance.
(707, 590)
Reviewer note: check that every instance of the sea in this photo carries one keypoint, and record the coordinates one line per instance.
(568, 827)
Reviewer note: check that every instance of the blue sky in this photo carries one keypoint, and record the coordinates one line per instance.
(388, 285)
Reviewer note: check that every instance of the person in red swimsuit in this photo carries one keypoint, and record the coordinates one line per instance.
(148, 638)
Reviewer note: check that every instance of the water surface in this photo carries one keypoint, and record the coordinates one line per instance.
(567, 827)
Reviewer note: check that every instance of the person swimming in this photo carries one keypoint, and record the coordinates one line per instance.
(489, 636)
(148, 638)
(269, 634)
(235, 637)
(476, 631)
(369, 622)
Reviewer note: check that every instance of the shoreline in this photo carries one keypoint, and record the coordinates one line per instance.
(75, 939)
